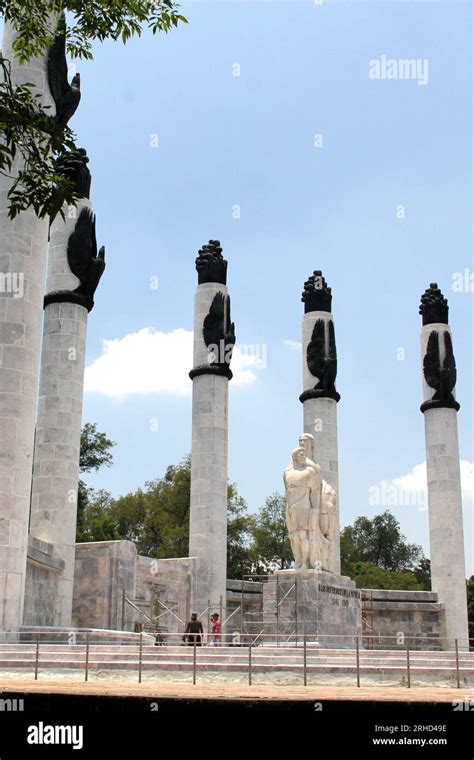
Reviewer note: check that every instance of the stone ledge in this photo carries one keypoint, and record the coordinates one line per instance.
(395, 595)
(42, 553)
(399, 606)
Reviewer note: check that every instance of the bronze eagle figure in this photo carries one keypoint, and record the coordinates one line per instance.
(66, 96)
(322, 363)
(84, 261)
(440, 376)
(218, 330)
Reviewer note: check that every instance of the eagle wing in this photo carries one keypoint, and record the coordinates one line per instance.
(332, 353)
(57, 64)
(213, 327)
(431, 363)
(316, 351)
(81, 244)
(66, 96)
(449, 363)
(230, 327)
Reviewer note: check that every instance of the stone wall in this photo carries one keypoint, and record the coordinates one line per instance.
(160, 593)
(244, 607)
(115, 588)
(104, 571)
(43, 572)
(399, 618)
(163, 593)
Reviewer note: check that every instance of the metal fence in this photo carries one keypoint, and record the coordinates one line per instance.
(249, 656)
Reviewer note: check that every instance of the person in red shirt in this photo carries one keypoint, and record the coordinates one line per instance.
(216, 630)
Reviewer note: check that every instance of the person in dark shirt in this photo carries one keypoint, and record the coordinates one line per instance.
(194, 631)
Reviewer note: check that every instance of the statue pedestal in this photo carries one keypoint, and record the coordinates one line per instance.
(324, 607)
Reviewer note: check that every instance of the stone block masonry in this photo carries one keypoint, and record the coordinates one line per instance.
(23, 248)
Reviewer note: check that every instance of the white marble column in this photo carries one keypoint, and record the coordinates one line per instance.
(23, 248)
(319, 409)
(209, 479)
(448, 574)
(58, 427)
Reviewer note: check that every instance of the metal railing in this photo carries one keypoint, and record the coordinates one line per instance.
(253, 654)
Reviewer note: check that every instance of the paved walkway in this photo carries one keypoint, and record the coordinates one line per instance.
(237, 692)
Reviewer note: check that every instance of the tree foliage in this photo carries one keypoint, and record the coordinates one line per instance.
(368, 575)
(470, 607)
(271, 548)
(31, 141)
(380, 542)
(375, 554)
(95, 452)
(90, 20)
(156, 518)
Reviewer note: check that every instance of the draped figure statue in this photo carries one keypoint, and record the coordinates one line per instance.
(310, 510)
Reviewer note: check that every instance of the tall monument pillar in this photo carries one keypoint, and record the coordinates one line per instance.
(23, 250)
(214, 339)
(439, 407)
(319, 397)
(74, 271)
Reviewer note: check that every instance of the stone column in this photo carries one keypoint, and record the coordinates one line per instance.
(214, 339)
(448, 574)
(319, 397)
(74, 270)
(23, 248)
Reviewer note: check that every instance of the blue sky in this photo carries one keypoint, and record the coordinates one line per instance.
(248, 141)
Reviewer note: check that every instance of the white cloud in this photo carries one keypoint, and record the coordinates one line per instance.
(150, 361)
(294, 345)
(415, 482)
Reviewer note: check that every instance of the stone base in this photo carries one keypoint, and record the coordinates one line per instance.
(324, 607)
(393, 619)
(56, 635)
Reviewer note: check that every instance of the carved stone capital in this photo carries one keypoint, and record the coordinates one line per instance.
(212, 369)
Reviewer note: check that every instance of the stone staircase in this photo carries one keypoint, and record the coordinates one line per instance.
(268, 663)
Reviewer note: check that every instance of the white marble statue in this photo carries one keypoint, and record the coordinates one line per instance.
(311, 509)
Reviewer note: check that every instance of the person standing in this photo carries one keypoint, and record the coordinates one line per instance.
(216, 630)
(194, 631)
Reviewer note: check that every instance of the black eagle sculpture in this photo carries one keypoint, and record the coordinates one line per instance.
(440, 375)
(66, 96)
(84, 261)
(218, 331)
(321, 363)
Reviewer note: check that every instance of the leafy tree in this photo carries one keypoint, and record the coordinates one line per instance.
(95, 452)
(156, 518)
(28, 131)
(165, 531)
(368, 575)
(271, 544)
(239, 535)
(470, 607)
(380, 542)
(423, 573)
(31, 135)
(375, 554)
(95, 448)
(97, 520)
